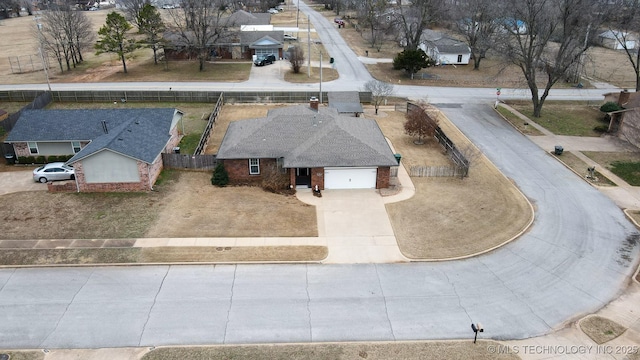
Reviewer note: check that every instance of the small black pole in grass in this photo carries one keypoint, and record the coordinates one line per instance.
(476, 329)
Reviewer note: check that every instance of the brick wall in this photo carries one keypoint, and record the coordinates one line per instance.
(173, 141)
(22, 149)
(317, 178)
(383, 177)
(62, 186)
(238, 170)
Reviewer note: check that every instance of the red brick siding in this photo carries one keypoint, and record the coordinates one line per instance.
(173, 141)
(62, 186)
(382, 177)
(22, 149)
(238, 170)
(317, 178)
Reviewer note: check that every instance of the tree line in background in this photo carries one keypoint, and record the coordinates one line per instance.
(545, 39)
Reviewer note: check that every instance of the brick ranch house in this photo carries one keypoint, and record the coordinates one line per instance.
(113, 149)
(315, 146)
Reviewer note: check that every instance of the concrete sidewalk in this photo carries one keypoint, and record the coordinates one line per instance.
(623, 194)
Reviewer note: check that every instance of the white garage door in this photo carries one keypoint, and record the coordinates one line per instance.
(349, 178)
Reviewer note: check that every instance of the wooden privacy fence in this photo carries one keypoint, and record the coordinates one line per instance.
(207, 130)
(186, 161)
(438, 171)
(462, 164)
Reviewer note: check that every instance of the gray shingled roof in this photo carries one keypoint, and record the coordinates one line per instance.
(304, 137)
(345, 101)
(138, 133)
(242, 17)
(250, 37)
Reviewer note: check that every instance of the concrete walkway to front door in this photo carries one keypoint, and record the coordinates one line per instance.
(356, 225)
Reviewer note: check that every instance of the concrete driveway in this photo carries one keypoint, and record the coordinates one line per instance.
(355, 225)
(16, 181)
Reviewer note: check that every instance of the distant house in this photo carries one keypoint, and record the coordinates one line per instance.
(625, 123)
(113, 149)
(617, 40)
(228, 45)
(444, 50)
(262, 43)
(345, 102)
(315, 146)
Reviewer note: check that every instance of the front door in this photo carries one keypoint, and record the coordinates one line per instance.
(303, 177)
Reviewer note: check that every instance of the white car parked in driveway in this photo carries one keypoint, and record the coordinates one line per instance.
(53, 171)
(273, 11)
(290, 37)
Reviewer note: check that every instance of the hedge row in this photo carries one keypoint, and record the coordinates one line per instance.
(43, 159)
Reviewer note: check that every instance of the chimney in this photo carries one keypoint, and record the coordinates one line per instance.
(104, 127)
(624, 97)
(313, 102)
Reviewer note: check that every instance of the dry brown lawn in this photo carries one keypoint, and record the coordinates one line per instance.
(452, 217)
(184, 205)
(406, 350)
(601, 330)
(579, 167)
(328, 74)
(195, 208)
(164, 254)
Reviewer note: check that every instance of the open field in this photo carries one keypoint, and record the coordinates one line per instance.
(452, 217)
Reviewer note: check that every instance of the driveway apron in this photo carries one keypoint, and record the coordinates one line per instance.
(17, 181)
(356, 226)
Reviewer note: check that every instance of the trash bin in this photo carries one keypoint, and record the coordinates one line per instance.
(176, 150)
(10, 158)
(558, 150)
(398, 157)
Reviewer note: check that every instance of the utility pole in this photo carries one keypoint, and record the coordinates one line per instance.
(320, 76)
(40, 41)
(309, 50)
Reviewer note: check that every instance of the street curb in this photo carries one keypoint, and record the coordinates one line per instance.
(520, 233)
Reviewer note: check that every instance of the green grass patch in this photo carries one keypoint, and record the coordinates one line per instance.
(628, 171)
(518, 123)
(188, 143)
(24, 355)
(565, 118)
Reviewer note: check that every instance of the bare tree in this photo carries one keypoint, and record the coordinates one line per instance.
(380, 91)
(624, 22)
(65, 34)
(200, 24)
(132, 9)
(477, 21)
(419, 123)
(371, 16)
(296, 58)
(411, 20)
(548, 37)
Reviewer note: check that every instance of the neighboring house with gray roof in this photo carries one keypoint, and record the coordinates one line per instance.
(262, 43)
(445, 50)
(345, 102)
(113, 149)
(315, 146)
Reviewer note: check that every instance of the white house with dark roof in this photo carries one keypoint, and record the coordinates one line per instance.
(113, 149)
(445, 50)
(315, 146)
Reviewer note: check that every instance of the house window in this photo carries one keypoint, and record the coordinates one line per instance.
(33, 148)
(459, 58)
(76, 146)
(254, 166)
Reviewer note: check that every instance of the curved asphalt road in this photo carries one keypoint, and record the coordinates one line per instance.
(577, 257)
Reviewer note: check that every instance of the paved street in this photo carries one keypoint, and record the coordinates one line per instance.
(574, 260)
